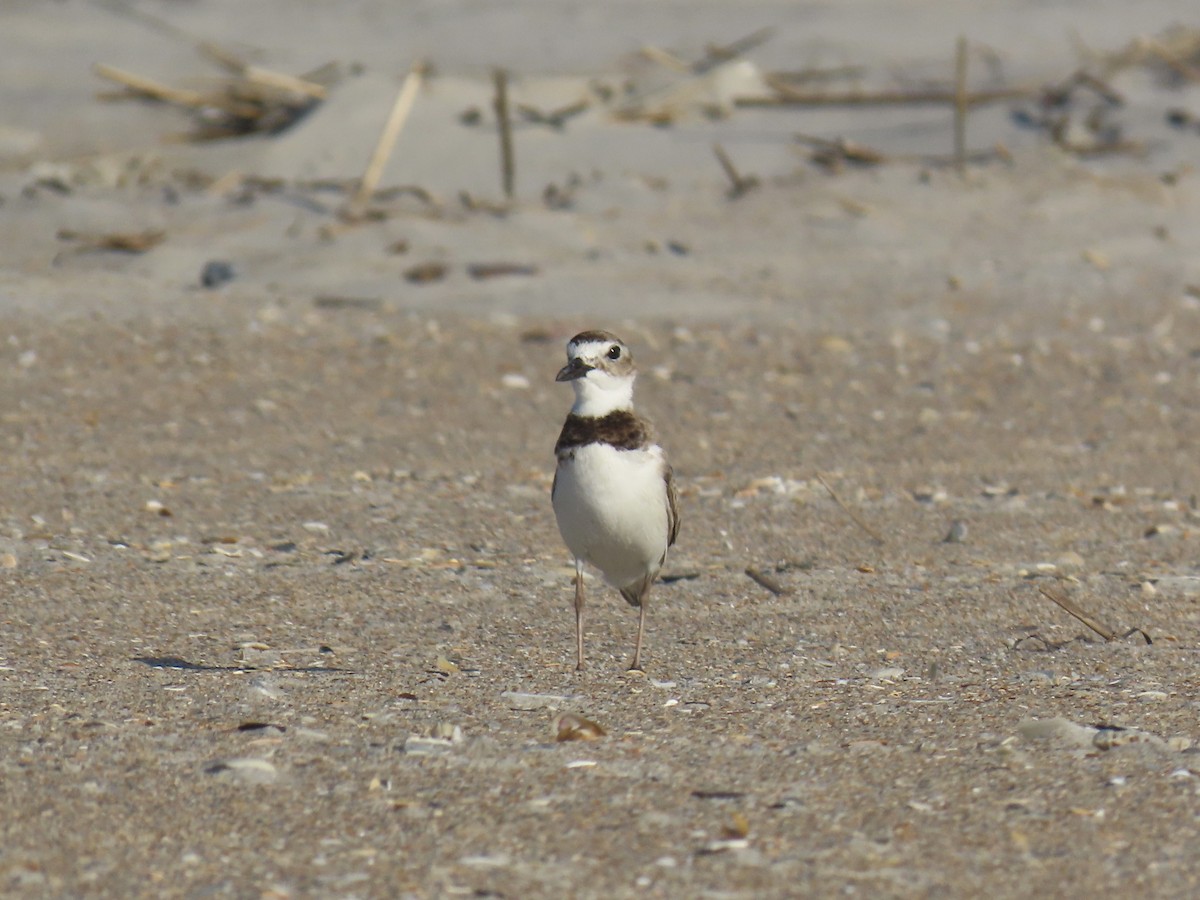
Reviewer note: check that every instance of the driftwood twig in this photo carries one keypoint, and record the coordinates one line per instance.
(1061, 599)
(401, 109)
(854, 517)
(738, 183)
(961, 107)
(786, 95)
(762, 578)
(504, 126)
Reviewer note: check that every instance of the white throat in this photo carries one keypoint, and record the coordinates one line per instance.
(598, 394)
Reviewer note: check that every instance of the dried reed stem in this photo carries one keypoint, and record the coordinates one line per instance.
(504, 124)
(848, 511)
(387, 140)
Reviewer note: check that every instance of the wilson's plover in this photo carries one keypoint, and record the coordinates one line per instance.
(614, 493)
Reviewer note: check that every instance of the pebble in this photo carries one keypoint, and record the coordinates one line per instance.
(514, 380)
(570, 727)
(1070, 563)
(1111, 738)
(251, 769)
(957, 533)
(1057, 728)
(312, 734)
(1179, 585)
(487, 861)
(418, 745)
(448, 731)
(522, 701)
(216, 272)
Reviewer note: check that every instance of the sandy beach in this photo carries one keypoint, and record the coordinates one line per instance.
(285, 611)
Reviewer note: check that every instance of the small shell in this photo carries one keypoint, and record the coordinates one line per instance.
(570, 727)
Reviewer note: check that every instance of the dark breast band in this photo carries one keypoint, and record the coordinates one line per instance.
(621, 429)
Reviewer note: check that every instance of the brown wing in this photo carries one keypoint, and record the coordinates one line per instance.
(672, 507)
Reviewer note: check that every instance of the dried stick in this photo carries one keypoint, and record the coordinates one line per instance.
(1101, 629)
(284, 82)
(817, 74)
(1175, 62)
(259, 75)
(504, 123)
(1058, 597)
(830, 151)
(387, 140)
(875, 536)
(960, 107)
(762, 578)
(716, 54)
(150, 88)
(665, 59)
(738, 183)
(786, 95)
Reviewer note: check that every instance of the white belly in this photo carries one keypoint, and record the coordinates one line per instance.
(611, 507)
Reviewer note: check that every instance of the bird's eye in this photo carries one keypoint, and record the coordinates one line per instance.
(614, 352)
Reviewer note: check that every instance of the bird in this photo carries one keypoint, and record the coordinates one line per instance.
(614, 492)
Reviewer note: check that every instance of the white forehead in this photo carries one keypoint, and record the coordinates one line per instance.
(591, 349)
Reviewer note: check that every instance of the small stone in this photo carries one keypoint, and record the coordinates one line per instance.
(834, 344)
(216, 272)
(523, 701)
(1059, 729)
(1161, 530)
(570, 727)
(1109, 738)
(448, 731)
(425, 273)
(957, 533)
(417, 745)
(1177, 585)
(515, 381)
(311, 734)
(1069, 563)
(316, 527)
(251, 769)
(487, 861)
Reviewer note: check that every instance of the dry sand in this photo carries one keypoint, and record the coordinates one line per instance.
(285, 613)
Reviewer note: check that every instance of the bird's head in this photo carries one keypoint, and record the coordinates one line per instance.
(601, 370)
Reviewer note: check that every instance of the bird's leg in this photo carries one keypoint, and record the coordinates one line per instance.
(579, 615)
(643, 598)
